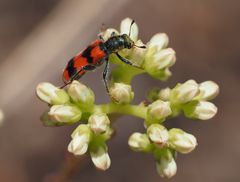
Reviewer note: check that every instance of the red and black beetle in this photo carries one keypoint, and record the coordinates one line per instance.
(97, 53)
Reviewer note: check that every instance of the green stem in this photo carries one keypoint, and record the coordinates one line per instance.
(134, 110)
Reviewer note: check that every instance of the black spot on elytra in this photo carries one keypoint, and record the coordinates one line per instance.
(87, 54)
(70, 68)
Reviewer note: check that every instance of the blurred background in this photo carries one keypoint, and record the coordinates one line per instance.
(37, 38)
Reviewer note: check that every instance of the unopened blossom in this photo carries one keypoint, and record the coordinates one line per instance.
(181, 141)
(65, 114)
(100, 158)
(158, 134)
(121, 93)
(51, 94)
(139, 142)
(99, 122)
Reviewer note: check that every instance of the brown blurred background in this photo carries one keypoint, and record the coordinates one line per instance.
(38, 37)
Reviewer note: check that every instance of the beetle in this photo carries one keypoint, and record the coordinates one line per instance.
(96, 54)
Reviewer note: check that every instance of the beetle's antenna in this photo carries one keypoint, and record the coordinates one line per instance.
(131, 28)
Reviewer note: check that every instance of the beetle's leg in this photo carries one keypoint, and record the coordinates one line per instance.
(105, 75)
(89, 67)
(76, 76)
(127, 61)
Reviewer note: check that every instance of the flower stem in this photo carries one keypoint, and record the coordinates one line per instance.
(134, 110)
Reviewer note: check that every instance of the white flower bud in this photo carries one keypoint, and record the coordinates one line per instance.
(51, 94)
(78, 145)
(81, 94)
(158, 42)
(162, 59)
(80, 140)
(101, 158)
(185, 92)
(208, 90)
(121, 93)
(181, 141)
(1, 117)
(158, 134)
(108, 33)
(139, 142)
(99, 122)
(125, 29)
(158, 110)
(204, 110)
(164, 94)
(64, 114)
(166, 166)
(137, 55)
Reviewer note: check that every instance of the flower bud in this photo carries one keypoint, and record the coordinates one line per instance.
(101, 158)
(64, 114)
(155, 62)
(99, 122)
(51, 94)
(80, 140)
(208, 90)
(125, 29)
(158, 134)
(121, 93)
(202, 110)
(158, 110)
(164, 94)
(81, 94)
(108, 33)
(182, 141)
(139, 142)
(166, 166)
(137, 55)
(158, 42)
(185, 92)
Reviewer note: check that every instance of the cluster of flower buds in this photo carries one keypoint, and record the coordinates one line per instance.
(190, 97)
(68, 107)
(77, 103)
(163, 144)
(92, 137)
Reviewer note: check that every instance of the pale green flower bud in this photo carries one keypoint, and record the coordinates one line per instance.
(156, 62)
(80, 140)
(1, 117)
(99, 122)
(208, 90)
(185, 92)
(81, 94)
(64, 114)
(181, 141)
(139, 142)
(158, 110)
(137, 54)
(125, 28)
(158, 134)
(108, 33)
(158, 42)
(51, 94)
(121, 93)
(166, 166)
(202, 110)
(101, 158)
(78, 145)
(164, 94)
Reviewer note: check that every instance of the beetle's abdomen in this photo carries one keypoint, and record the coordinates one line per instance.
(92, 55)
